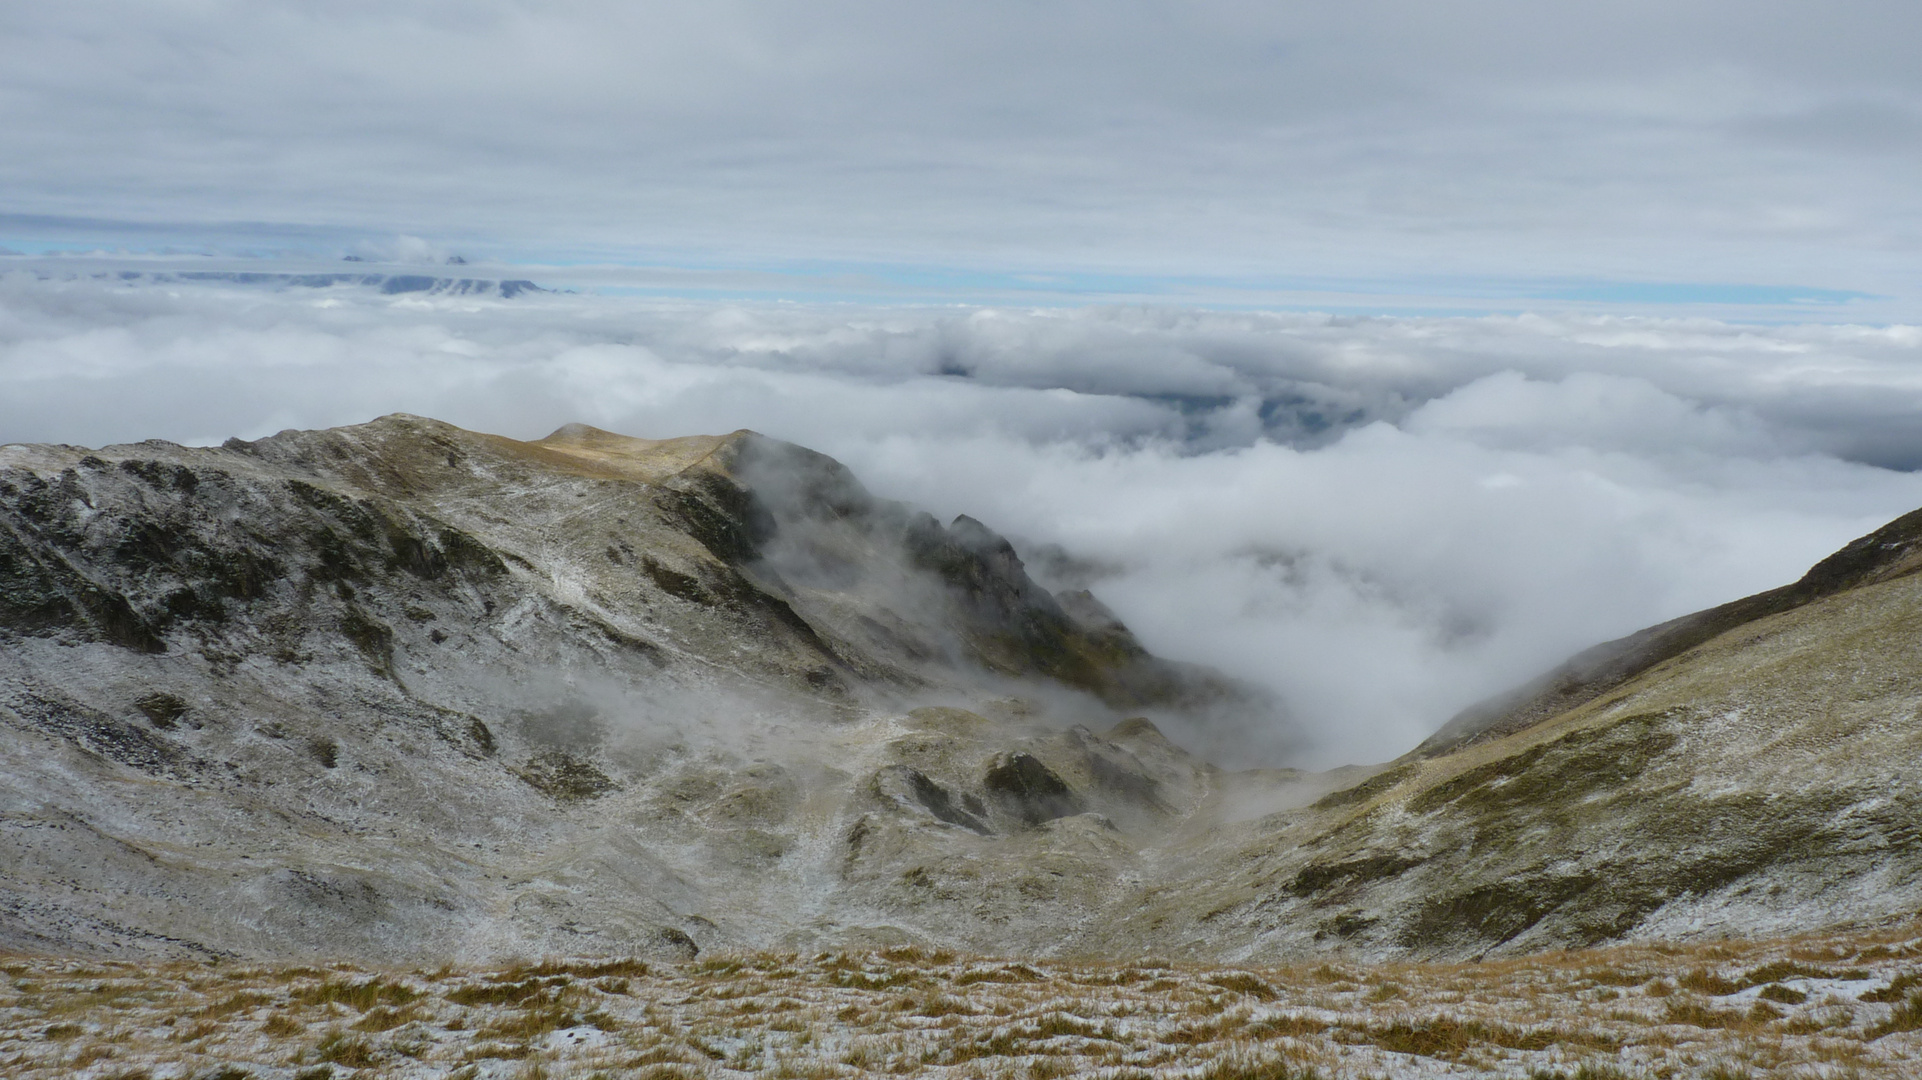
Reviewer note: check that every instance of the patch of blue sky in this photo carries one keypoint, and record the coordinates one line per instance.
(863, 282)
(1680, 292)
(696, 275)
(893, 283)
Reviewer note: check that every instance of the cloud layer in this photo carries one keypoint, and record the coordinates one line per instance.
(1382, 519)
(1764, 140)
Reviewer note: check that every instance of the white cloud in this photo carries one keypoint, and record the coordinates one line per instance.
(1383, 519)
(1508, 410)
(402, 249)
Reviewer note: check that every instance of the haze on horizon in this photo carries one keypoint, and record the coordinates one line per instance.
(1385, 352)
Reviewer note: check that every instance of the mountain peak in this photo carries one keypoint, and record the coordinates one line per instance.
(644, 459)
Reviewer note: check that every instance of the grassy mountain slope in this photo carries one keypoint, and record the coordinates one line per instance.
(1761, 780)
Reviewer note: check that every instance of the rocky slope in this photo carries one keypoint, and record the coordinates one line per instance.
(406, 692)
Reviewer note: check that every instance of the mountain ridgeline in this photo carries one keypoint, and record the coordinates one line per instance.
(404, 692)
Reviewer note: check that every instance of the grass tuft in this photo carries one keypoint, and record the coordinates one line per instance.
(1242, 1066)
(511, 993)
(1243, 983)
(530, 1024)
(1897, 989)
(342, 1049)
(360, 996)
(281, 1025)
(1707, 982)
(1907, 1017)
(1696, 1014)
(382, 1018)
(234, 1004)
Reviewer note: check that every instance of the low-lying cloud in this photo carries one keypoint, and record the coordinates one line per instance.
(1382, 519)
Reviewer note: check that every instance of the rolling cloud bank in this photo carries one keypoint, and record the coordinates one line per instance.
(1382, 519)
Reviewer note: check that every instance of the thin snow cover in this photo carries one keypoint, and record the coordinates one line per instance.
(1382, 519)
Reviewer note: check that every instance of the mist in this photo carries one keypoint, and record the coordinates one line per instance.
(1381, 520)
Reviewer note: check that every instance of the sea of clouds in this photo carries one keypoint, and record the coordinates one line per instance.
(1382, 519)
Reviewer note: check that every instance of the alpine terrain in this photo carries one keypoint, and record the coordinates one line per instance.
(407, 694)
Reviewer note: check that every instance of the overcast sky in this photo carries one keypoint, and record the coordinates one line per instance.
(1398, 144)
(1384, 351)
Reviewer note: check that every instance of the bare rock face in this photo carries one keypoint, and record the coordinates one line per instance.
(1030, 790)
(407, 693)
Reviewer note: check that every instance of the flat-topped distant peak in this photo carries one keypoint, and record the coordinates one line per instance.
(648, 459)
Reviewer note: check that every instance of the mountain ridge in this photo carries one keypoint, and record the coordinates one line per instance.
(1891, 551)
(405, 691)
(350, 627)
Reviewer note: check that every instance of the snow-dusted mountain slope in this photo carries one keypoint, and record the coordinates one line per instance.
(407, 692)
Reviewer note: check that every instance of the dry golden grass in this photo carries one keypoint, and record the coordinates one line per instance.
(1842, 1005)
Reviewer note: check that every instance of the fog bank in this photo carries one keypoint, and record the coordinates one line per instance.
(1381, 519)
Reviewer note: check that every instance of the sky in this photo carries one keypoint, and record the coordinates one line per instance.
(1383, 353)
(1479, 152)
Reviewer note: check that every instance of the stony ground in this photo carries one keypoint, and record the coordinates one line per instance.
(1837, 1005)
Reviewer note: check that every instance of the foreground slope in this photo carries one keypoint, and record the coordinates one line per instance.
(1813, 1006)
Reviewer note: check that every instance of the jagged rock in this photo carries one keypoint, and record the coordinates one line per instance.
(1031, 790)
